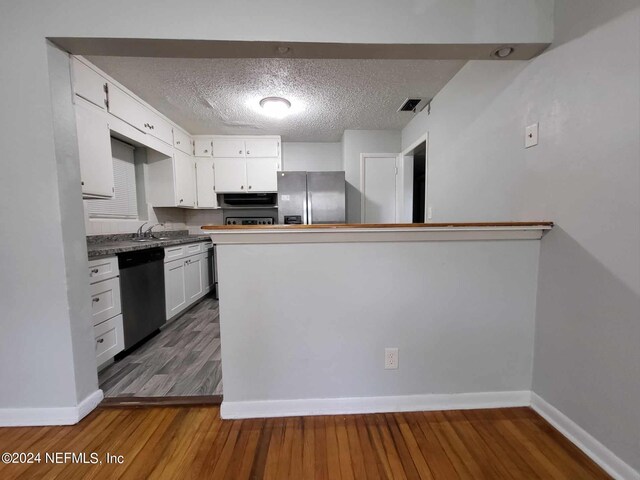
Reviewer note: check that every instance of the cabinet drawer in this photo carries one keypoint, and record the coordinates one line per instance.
(88, 84)
(193, 248)
(207, 246)
(105, 300)
(103, 269)
(172, 253)
(109, 336)
(203, 148)
(158, 127)
(182, 141)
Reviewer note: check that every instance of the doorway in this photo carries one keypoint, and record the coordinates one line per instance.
(414, 166)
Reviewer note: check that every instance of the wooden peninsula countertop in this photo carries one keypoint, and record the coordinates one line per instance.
(390, 232)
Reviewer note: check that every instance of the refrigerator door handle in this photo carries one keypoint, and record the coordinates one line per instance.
(310, 209)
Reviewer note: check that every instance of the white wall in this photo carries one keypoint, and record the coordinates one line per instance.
(320, 315)
(35, 366)
(584, 175)
(355, 142)
(312, 156)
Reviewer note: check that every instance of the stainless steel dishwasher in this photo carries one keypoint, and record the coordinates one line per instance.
(141, 294)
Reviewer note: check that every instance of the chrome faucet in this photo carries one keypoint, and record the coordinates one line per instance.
(139, 233)
(149, 232)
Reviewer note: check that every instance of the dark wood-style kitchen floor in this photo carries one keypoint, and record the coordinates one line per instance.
(194, 443)
(182, 360)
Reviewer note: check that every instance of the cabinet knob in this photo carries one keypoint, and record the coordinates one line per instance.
(249, 187)
(206, 151)
(177, 142)
(100, 340)
(248, 152)
(95, 270)
(241, 187)
(181, 200)
(96, 299)
(82, 183)
(239, 151)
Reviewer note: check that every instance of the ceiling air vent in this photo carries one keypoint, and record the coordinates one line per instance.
(410, 105)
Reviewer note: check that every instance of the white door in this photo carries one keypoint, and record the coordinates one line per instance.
(262, 147)
(174, 287)
(378, 188)
(204, 182)
(230, 175)
(262, 174)
(228, 147)
(94, 149)
(193, 277)
(185, 179)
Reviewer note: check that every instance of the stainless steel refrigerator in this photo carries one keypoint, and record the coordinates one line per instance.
(311, 197)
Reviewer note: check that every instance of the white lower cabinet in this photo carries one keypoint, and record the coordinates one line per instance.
(104, 286)
(188, 277)
(109, 337)
(175, 287)
(193, 275)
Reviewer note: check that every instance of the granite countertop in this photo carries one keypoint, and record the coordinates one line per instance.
(104, 245)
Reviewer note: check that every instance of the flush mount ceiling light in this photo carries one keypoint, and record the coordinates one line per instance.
(277, 107)
(502, 52)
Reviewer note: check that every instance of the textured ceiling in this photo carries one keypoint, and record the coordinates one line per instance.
(220, 96)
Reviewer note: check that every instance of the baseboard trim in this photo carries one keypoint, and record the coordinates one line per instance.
(405, 403)
(29, 417)
(595, 450)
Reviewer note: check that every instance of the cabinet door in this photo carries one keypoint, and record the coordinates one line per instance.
(182, 141)
(228, 147)
(207, 197)
(94, 149)
(207, 271)
(174, 287)
(185, 180)
(230, 175)
(193, 277)
(88, 84)
(159, 128)
(203, 148)
(261, 174)
(127, 108)
(262, 147)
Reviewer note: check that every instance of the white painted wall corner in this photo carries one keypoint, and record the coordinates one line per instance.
(26, 417)
(595, 450)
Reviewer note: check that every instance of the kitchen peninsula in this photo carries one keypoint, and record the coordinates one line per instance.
(307, 311)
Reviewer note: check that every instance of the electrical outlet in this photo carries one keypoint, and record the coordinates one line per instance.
(531, 136)
(390, 358)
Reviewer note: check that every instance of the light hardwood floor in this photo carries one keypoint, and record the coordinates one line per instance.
(182, 360)
(193, 443)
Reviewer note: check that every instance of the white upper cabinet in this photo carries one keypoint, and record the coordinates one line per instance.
(127, 108)
(228, 147)
(182, 141)
(230, 175)
(171, 180)
(94, 149)
(185, 180)
(203, 148)
(262, 174)
(206, 195)
(88, 84)
(262, 148)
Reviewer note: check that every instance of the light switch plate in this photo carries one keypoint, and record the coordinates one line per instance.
(531, 136)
